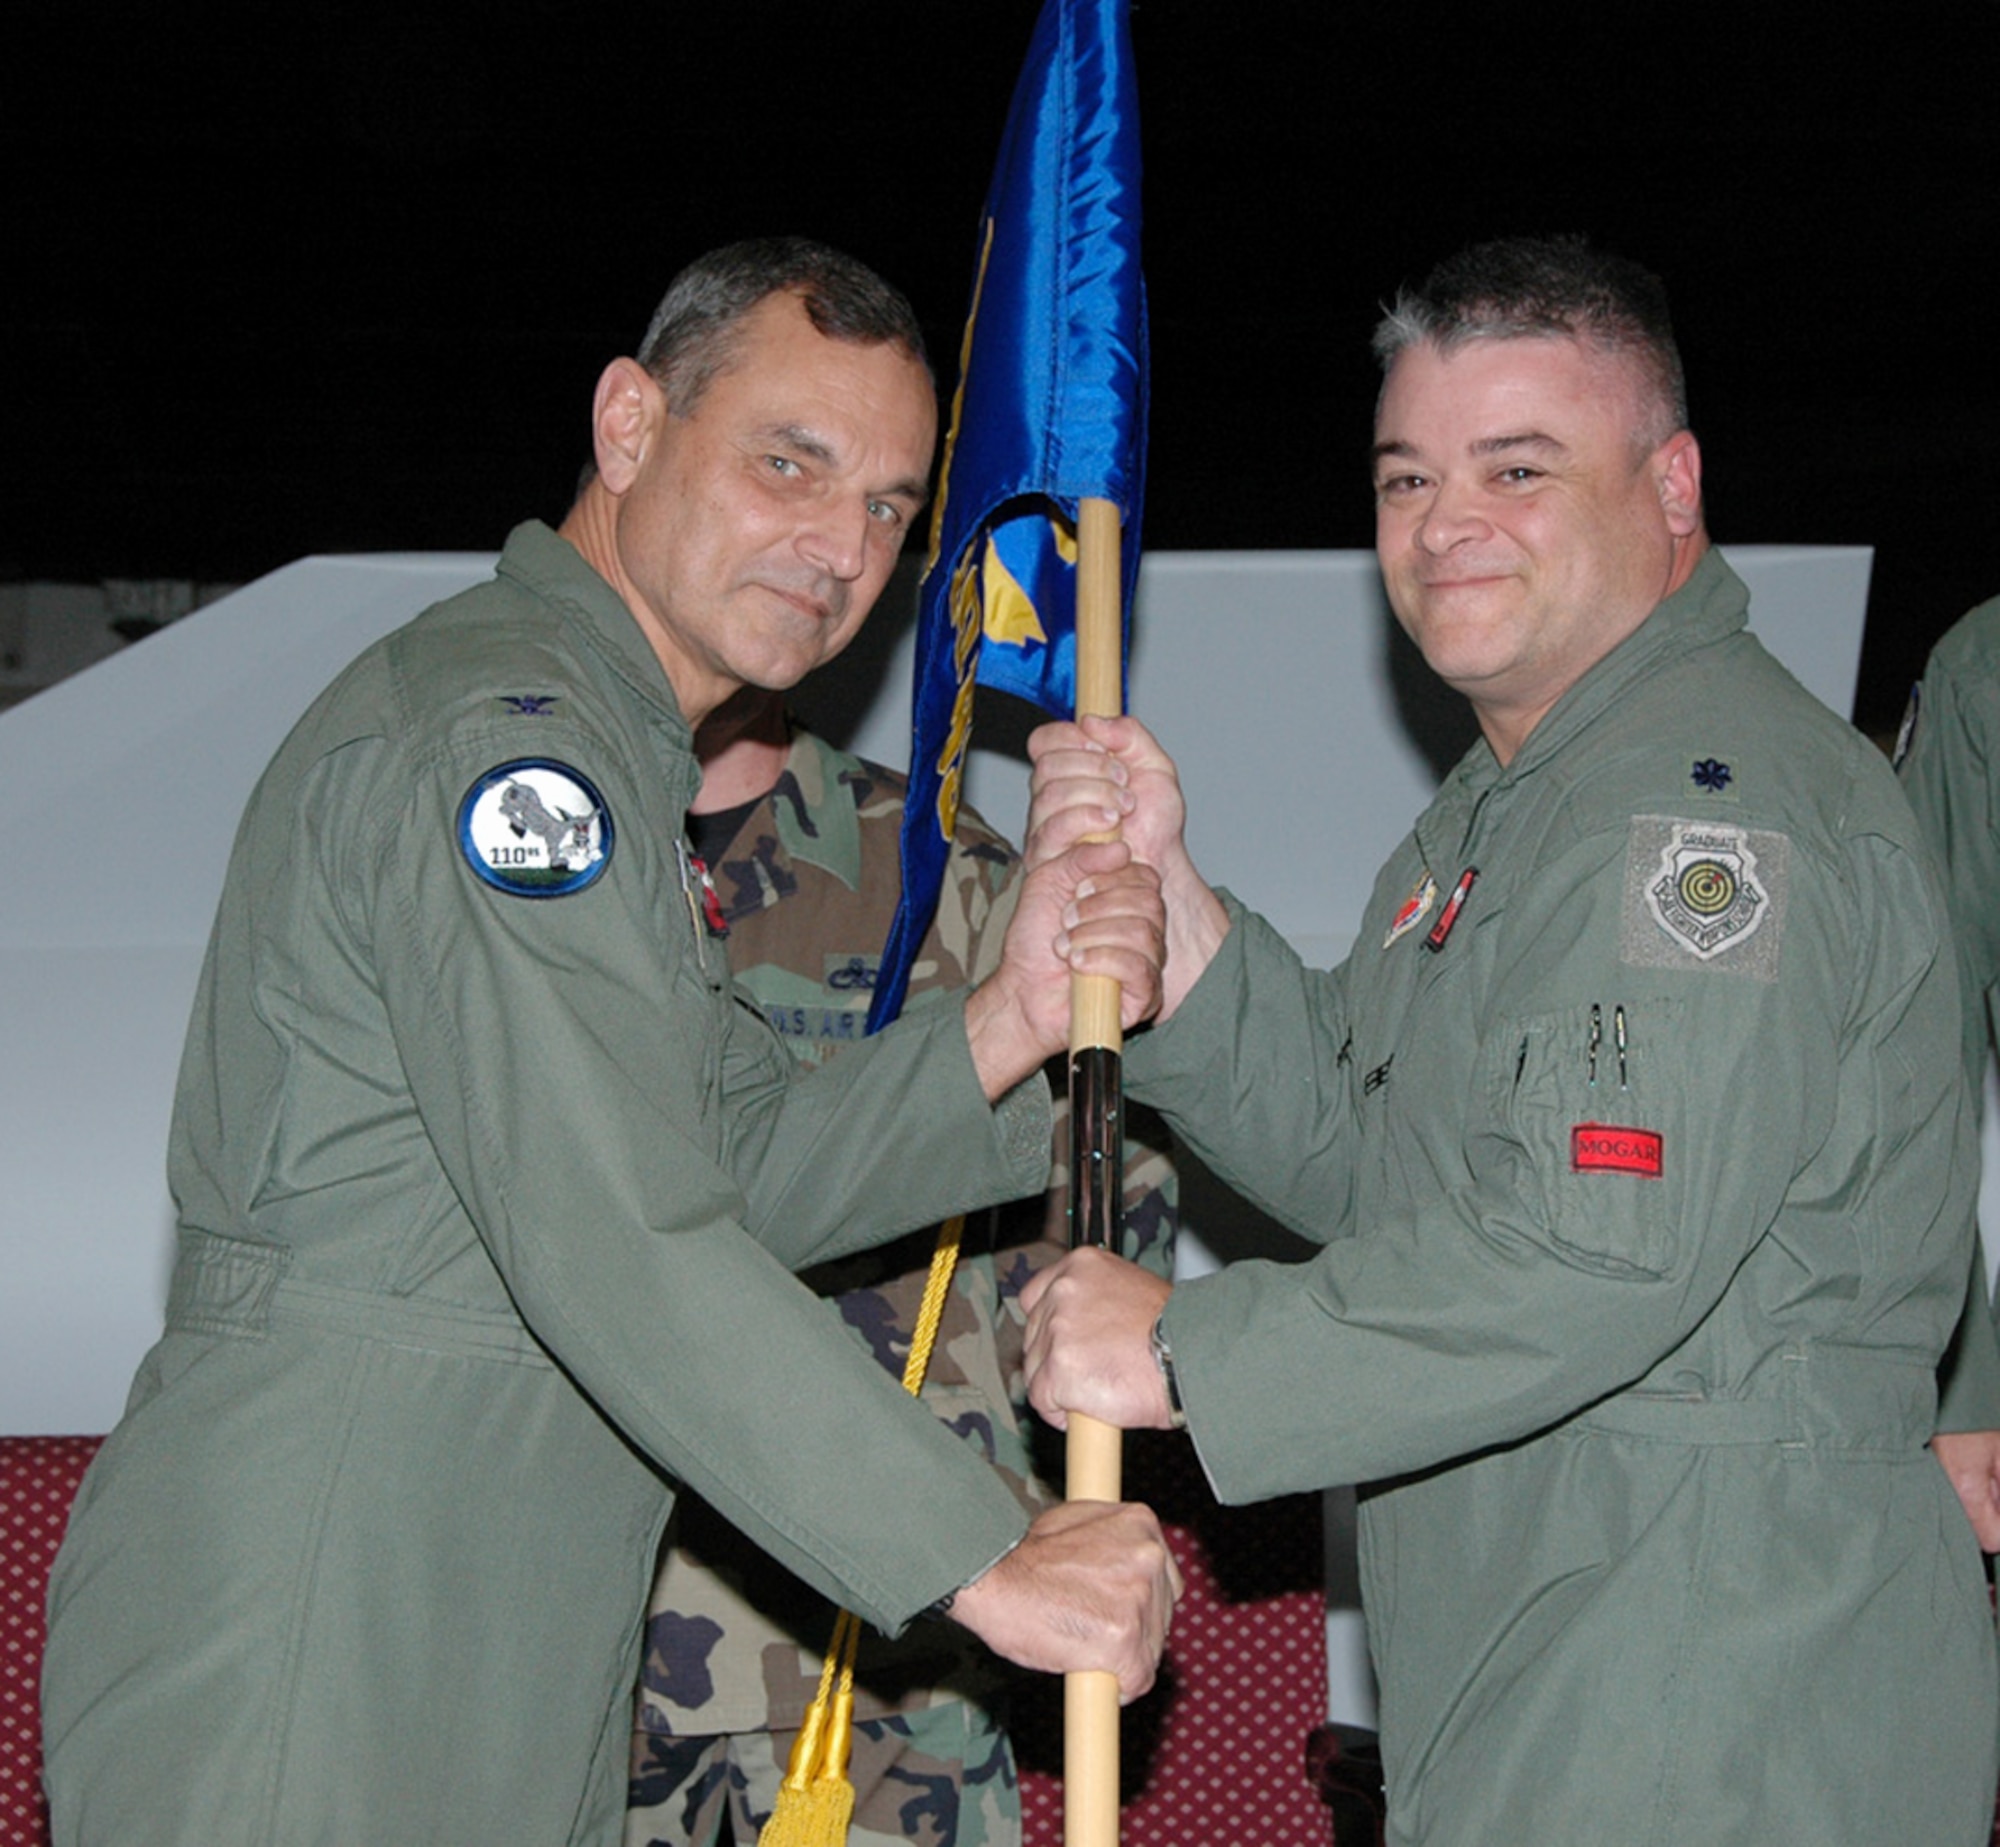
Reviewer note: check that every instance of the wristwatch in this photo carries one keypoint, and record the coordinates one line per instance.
(1163, 1357)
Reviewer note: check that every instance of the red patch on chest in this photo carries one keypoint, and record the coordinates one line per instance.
(1605, 1148)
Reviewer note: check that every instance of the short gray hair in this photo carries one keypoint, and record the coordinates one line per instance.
(1526, 288)
(693, 333)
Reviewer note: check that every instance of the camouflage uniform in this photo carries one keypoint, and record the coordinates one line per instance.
(734, 1642)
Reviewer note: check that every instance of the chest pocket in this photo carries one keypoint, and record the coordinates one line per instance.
(1584, 1106)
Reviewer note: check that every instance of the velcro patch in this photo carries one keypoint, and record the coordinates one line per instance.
(1704, 894)
(1606, 1148)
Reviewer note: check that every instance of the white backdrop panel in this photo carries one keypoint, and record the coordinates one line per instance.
(1299, 722)
(1307, 732)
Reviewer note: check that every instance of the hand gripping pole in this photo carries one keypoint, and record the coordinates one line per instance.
(1097, 1186)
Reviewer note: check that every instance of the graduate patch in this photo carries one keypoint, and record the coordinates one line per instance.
(1706, 894)
(1703, 894)
(535, 828)
(1605, 1148)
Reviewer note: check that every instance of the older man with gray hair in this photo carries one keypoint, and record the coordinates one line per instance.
(488, 1180)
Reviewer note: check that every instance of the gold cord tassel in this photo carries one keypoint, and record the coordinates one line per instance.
(816, 1801)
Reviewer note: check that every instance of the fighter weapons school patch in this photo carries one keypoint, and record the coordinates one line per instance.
(1704, 894)
(535, 828)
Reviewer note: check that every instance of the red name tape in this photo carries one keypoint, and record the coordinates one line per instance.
(1603, 1148)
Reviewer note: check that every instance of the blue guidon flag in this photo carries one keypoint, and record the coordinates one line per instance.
(1050, 410)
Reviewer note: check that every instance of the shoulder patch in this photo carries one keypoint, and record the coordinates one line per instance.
(1704, 894)
(535, 828)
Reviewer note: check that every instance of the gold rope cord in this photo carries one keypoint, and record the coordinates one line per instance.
(816, 1801)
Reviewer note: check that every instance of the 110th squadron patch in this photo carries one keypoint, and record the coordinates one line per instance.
(536, 828)
(1704, 893)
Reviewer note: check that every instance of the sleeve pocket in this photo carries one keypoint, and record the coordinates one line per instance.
(1583, 1096)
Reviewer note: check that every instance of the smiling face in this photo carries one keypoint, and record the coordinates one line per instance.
(751, 537)
(1523, 524)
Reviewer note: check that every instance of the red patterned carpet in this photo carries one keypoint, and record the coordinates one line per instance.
(38, 1480)
(1215, 1755)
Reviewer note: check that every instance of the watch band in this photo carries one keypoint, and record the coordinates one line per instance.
(1163, 1357)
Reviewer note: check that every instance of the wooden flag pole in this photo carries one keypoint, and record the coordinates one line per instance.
(1097, 1147)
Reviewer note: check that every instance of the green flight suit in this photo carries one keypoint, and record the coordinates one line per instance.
(464, 1172)
(1950, 763)
(1949, 758)
(1645, 1198)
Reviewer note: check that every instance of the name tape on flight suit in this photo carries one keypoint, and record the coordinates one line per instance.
(1606, 1148)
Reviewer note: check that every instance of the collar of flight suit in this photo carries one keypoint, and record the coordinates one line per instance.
(549, 567)
(1711, 606)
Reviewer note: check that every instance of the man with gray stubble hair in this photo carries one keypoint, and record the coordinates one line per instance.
(1530, 289)
(1636, 1137)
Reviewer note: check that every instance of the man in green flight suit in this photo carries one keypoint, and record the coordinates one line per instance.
(1636, 1134)
(1949, 758)
(488, 1181)
(802, 842)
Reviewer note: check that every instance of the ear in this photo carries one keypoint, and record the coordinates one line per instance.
(1677, 472)
(623, 418)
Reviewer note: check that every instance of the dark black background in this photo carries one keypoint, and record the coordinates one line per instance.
(341, 277)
